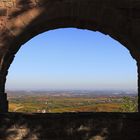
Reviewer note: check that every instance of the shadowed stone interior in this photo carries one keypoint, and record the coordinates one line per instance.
(70, 126)
(21, 20)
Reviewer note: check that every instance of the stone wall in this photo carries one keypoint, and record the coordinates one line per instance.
(70, 126)
(20, 20)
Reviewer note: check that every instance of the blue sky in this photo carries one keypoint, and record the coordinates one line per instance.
(72, 59)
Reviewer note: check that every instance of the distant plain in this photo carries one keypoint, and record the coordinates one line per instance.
(66, 101)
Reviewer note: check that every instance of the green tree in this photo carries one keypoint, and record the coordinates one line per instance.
(129, 104)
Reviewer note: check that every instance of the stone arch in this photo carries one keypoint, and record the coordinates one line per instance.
(20, 21)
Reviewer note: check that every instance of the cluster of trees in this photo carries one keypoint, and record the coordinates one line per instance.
(130, 104)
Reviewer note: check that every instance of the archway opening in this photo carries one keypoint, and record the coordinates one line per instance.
(76, 70)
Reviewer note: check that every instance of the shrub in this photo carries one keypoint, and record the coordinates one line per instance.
(129, 104)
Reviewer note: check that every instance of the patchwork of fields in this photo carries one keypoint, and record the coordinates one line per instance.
(59, 104)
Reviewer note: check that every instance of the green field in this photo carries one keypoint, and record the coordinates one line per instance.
(44, 104)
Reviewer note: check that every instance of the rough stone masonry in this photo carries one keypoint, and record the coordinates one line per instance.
(21, 20)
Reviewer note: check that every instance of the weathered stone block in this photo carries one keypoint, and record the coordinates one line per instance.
(3, 12)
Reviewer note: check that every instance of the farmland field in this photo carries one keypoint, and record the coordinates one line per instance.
(44, 104)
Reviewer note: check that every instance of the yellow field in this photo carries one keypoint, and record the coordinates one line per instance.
(63, 104)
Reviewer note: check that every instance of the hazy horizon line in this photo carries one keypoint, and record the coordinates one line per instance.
(71, 90)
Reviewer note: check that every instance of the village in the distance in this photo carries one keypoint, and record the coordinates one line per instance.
(60, 101)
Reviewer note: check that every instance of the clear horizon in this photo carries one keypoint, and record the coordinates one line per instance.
(72, 59)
